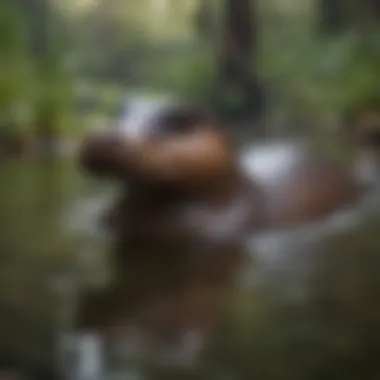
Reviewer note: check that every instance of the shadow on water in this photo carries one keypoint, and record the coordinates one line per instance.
(304, 304)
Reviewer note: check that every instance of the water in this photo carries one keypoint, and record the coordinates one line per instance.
(277, 321)
(35, 251)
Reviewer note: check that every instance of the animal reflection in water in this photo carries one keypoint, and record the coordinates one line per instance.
(189, 209)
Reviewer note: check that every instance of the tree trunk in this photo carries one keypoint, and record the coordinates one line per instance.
(332, 16)
(376, 9)
(371, 11)
(205, 20)
(237, 73)
(336, 16)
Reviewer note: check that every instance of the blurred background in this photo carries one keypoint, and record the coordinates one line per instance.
(291, 67)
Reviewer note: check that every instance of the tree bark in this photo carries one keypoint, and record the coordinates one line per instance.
(332, 16)
(337, 16)
(376, 9)
(237, 71)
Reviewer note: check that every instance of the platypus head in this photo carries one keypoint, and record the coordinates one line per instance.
(160, 144)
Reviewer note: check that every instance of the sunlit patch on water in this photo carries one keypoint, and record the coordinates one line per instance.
(290, 258)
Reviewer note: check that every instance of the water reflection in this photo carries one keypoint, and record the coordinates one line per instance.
(261, 300)
(34, 251)
(162, 307)
(230, 318)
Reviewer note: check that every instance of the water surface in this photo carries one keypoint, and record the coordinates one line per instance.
(327, 326)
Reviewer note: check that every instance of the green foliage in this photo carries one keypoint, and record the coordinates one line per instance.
(53, 102)
(191, 74)
(16, 71)
(315, 78)
(35, 92)
(174, 51)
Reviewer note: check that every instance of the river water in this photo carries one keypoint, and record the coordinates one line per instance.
(283, 319)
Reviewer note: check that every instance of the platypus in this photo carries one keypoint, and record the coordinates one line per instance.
(183, 179)
(184, 184)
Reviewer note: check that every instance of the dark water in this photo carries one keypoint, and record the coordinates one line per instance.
(274, 324)
(35, 249)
